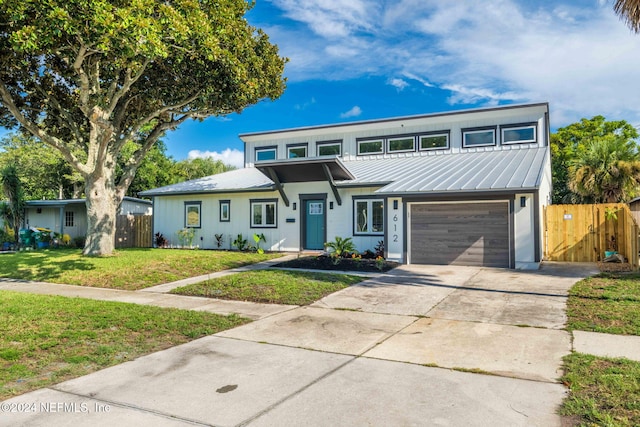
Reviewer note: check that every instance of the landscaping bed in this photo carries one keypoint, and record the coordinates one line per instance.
(325, 262)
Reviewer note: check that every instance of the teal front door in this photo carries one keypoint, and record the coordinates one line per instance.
(314, 224)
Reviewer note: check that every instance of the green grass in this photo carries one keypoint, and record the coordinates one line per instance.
(271, 286)
(607, 303)
(604, 392)
(127, 269)
(48, 339)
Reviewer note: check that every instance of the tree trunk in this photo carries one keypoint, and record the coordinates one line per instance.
(102, 202)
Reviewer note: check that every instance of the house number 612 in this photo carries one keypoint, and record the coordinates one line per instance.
(395, 228)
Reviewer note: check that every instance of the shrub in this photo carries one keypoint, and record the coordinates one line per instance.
(259, 238)
(160, 240)
(240, 242)
(219, 240)
(341, 247)
(79, 241)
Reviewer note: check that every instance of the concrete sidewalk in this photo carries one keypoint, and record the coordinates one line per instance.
(393, 350)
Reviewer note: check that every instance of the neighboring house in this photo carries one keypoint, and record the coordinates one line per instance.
(464, 187)
(69, 216)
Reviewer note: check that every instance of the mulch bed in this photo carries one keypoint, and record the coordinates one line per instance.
(323, 262)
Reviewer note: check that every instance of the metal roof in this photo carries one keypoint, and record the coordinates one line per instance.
(247, 179)
(64, 202)
(517, 169)
(514, 169)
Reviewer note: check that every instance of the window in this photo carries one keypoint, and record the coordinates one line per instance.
(68, 219)
(369, 216)
(192, 214)
(225, 210)
(478, 137)
(329, 149)
(370, 147)
(518, 134)
(296, 151)
(401, 144)
(434, 141)
(268, 153)
(263, 213)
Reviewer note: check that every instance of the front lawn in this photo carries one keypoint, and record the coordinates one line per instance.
(129, 269)
(271, 286)
(608, 303)
(48, 339)
(603, 391)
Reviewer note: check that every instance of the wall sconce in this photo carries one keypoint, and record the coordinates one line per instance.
(395, 205)
(330, 205)
(294, 206)
(523, 201)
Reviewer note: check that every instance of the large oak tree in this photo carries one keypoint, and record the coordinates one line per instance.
(89, 77)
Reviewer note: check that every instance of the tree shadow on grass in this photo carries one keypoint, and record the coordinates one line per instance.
(42, 265)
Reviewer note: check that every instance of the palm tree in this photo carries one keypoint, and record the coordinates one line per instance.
(629, 11)
(12, 189)
(607, 171)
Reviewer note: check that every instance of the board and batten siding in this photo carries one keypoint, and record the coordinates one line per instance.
(349, 134)
(284, 237)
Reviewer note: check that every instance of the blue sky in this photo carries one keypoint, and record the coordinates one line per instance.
(355, 60)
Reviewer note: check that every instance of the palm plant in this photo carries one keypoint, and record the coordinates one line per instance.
(12, 188)
(607, 171)
(629, 11)
(341, 246)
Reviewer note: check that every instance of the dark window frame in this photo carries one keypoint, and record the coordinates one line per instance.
(273, 148)
(264, 202)
(532, 125)
(321, 144)
(226, 203)
(446, 133)
(304, 145)
(398, 138)
(369, 200)
(69, 219)
(479, 130)
(382, 141)
(192, 203)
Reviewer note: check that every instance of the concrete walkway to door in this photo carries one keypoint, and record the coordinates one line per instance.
(357, 357)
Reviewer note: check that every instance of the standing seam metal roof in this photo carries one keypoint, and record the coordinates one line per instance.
(512, 169)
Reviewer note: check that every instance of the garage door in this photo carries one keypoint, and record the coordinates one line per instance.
(460, 234)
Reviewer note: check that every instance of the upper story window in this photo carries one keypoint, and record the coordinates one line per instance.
(479, 137)
(332, 148)
(295, 151)
(265, 153)
(434, 141)
(519, 134)
(397, 145)
(371, 146)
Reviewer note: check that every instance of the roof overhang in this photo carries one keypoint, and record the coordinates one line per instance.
(305, 169)
(327, 169)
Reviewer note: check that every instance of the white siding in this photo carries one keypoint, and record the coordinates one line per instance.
(169, 217)
(524, 229)
(350, 133)
(129, 207)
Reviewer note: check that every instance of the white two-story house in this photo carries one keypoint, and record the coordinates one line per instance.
(464, 187)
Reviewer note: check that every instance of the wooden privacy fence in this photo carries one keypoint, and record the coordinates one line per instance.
(582, 233)
(133, 231)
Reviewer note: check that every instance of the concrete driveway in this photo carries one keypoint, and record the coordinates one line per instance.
(343, 360)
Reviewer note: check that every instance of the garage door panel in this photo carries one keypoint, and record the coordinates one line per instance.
(460, 234)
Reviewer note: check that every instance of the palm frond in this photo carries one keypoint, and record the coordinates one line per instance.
(629, 12)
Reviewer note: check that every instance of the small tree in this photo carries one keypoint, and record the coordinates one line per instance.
(12, 188)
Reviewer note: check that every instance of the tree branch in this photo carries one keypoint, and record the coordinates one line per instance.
(8, 101)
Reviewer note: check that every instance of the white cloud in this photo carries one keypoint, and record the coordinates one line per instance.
(354, 112)
(228, 156)
(577, 55)
(305, 105)
(398, 84)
